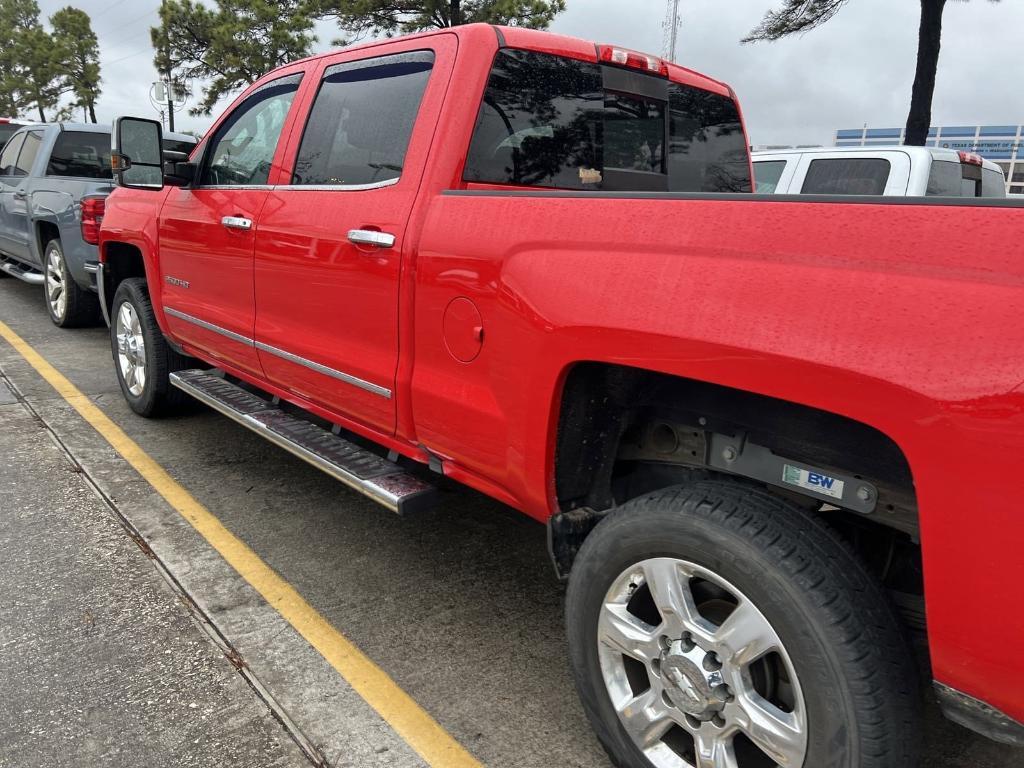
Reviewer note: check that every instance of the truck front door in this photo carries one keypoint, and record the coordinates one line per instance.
(207, 231)
(331, 245)
(15, 226)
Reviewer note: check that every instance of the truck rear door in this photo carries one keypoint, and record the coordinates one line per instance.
(331, 244)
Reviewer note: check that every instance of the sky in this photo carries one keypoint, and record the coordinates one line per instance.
(856, 69)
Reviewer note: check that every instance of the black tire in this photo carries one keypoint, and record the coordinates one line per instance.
(157, 396)
(860, 687)
(81, 307)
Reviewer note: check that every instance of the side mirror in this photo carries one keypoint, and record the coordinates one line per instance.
(136, 155)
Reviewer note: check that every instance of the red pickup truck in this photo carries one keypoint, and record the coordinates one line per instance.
(772, 437)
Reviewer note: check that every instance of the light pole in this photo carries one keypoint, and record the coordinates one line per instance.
(671, 31)
(167, 52)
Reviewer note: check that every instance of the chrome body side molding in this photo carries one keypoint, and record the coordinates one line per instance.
(348, 378)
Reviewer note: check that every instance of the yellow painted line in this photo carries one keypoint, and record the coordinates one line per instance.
(424, 734)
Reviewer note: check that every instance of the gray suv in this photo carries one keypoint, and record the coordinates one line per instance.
(53, 181)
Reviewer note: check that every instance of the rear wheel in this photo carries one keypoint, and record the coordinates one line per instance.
(69, 305)
(142, 357)
(717, 626)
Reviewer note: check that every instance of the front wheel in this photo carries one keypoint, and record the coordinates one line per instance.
(717, 626)
(142, 357)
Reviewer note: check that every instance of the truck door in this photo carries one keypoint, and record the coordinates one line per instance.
(15, 226)
(207, 231)
(331, 245)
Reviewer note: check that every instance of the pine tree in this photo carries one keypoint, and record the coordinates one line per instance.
(78, 56)
(387, 17)
(229, 44)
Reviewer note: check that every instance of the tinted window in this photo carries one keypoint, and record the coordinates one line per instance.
(539, 123)
(29, 153)
(362, 119)
(555, 122)
(707, 146)
(177, 145)
(993, 183)
(767, 175)
(6, 131)
(847, 176)
(243, 148)
(81, 154)
(9, 156)
(944, 179)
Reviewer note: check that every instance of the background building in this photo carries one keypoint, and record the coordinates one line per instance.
(1002, 144)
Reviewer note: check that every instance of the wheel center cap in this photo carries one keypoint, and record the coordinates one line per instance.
(689, 684)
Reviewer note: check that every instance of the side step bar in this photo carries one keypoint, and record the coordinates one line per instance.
(364, 471)
(21, 271)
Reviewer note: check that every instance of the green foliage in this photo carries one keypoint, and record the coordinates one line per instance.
(388, 17)
(27, 70)
(78, 55)
(231, 43)
(14, 15)
(37, 68)
(793, 17)
(40, 82)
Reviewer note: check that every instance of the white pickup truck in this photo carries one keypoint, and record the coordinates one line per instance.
(894, 171)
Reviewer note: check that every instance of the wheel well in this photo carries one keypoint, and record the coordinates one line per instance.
(45, 232)
(121, 261)
(624, 432)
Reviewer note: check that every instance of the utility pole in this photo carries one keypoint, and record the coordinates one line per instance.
(671, 26)
(170, 86)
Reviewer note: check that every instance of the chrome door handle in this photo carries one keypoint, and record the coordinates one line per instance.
(236, 222)
(371, 237)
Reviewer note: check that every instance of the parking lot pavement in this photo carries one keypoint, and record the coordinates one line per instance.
(102, 663)
(459, 606)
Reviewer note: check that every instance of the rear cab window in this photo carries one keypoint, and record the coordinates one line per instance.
(951, 178)
(993, 183)
(81, 154)
(550, 121)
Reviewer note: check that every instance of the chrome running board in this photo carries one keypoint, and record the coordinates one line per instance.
(21, 271)
(374, 476)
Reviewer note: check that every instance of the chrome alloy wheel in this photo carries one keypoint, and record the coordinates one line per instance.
(56, 284)
(696, 673)
(131, 349)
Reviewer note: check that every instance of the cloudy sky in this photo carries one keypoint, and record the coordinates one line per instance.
(857, 69)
